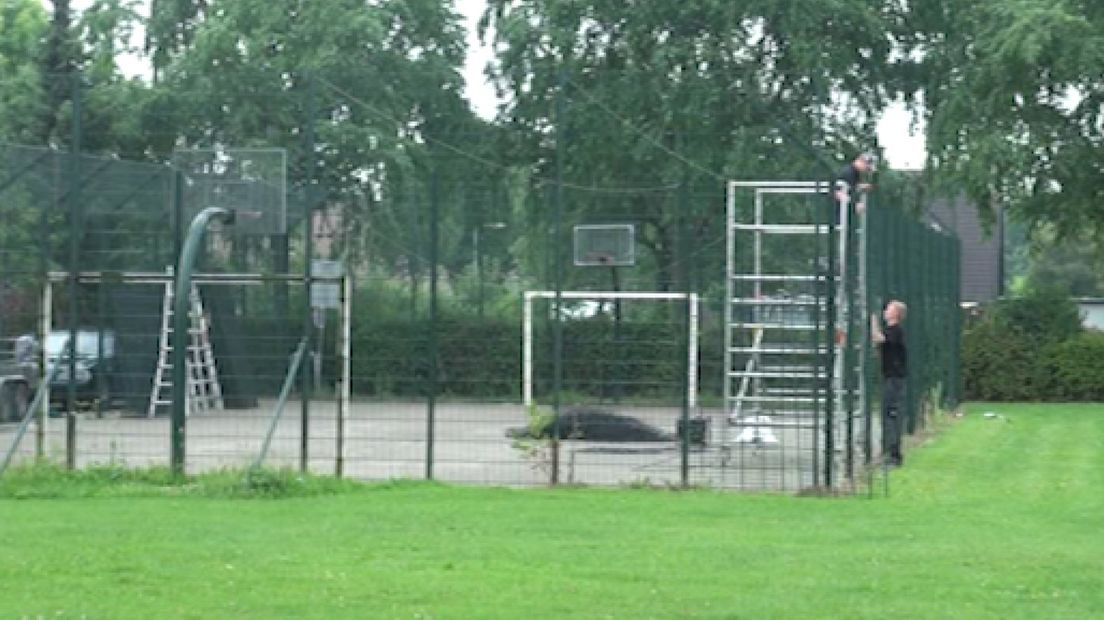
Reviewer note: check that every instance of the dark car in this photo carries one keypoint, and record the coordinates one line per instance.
(95, 375)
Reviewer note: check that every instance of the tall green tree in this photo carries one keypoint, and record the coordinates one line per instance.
(60, 61)
(23, 28)
(374, 82)
(1070, 266)
(1014, 95)
(667, 93)
(170, 30)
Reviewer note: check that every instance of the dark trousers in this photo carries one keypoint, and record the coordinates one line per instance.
(893, 417)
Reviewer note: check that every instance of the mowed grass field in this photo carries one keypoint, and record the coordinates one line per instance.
(999, 517)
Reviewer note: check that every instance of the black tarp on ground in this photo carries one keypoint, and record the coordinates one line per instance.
(593, 424)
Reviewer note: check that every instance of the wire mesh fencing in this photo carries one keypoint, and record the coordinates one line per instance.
(453, 315)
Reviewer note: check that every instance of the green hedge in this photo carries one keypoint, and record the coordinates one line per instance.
(1075, 368)
(1000, 364)
(482, 358)
(1032, 348)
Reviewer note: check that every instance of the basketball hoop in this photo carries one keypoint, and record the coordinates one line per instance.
(599, 258)
(605, 245)
(251, 182)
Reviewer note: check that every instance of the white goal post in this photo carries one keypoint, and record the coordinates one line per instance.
(691, 300)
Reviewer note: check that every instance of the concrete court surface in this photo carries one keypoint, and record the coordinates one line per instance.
(387, 440)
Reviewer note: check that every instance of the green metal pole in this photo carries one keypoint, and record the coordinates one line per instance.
(684, 275)
(557, 238)
(178, 252)
(431, 396)
(193, 245)
(478, 266)
(850, 327)
(46, 317)
(36, 403)
(178, 214)
(305, 385)
(956, 300)
(865, 311)
(281, 400)
(834, 221)
(908, 250)
(76, 226)
(819, 338)
(101, 304)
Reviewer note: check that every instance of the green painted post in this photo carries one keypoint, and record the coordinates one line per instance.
(193, 245)
(431, 395)
(305, 379)
(864, 312)
(76, 228)
(684, 275)
(908, 280)
(834, 220)
(557, 239)
(956, 297)
(46, 300)
(820, 338)
(849, 359)
(178, 214)
(101, 303)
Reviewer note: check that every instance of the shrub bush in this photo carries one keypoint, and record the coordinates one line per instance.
(481, 358)
(1033, 348)
(1043, 316)
(999, 364)
(1075, 368)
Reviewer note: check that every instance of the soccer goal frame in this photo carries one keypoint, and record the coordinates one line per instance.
(692, 302)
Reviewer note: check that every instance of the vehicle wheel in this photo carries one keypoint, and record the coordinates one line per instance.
(8, 407)
(6, 404)
(22, 401)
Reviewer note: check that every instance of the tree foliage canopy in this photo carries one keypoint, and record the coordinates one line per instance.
(1015, 97)
(628, 94)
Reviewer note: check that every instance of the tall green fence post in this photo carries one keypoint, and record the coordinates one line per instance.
(684, 276)
(305, 379)
(76, 227)
(45, 320)
(558, 271)
(434, 239)
(835, 220)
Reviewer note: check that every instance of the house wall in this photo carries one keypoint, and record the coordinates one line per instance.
(981, 266)
(1092, 313)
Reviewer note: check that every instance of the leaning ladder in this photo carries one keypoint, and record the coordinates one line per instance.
(204, 392)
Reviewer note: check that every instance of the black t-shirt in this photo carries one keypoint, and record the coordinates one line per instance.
(846, 180)
(849, 175)
(894, 354)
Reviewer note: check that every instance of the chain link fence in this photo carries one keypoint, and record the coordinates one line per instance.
(493, 322)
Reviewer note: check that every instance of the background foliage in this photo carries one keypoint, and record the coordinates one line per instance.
(624, 103)
(1032, 347)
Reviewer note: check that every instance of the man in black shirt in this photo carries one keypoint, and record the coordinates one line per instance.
(849, 181)
(891, 343)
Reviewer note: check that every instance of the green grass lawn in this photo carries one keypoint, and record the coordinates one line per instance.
(993, 518)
